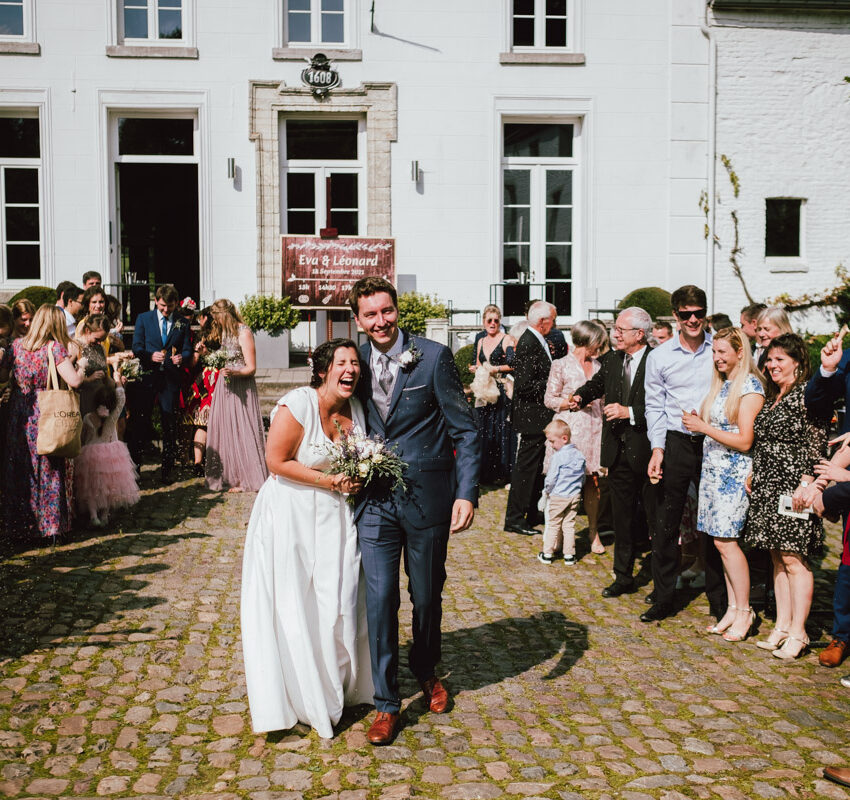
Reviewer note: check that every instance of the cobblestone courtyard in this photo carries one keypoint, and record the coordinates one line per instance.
(121, 675)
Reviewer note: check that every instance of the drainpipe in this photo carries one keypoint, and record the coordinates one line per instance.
(706, 31)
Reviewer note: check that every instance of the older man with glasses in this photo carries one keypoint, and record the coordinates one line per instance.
(678, 376)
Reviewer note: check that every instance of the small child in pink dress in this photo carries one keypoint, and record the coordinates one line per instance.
(104, 474)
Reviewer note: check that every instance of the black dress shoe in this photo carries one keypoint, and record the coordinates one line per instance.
(657, 612)
(617, 588)
(521, 530)
(650, 598)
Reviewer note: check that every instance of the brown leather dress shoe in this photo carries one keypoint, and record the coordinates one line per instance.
(384, 728)
(435, 694)
(838, 775)
(833, 654)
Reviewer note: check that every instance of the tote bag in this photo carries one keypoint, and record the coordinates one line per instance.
(59, 421)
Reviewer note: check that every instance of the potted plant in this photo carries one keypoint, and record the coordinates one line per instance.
(270, 320)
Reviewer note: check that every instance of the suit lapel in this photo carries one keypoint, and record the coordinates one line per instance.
(401, 377)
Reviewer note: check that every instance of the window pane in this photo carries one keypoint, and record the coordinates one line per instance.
(558, 261)
(21, 185)
(148, 137)
(22, 224)
(556, 8)
(135, 23)
(517, 225)
(171, 3)
(538, 140)
(782, 227)
(525, 7)
(19, 137)
(515, 300)
(332, 28)
(517, 184)
(344, 190)
(556, 33)
(332, 5)
(523, 32)
(559, 224)
(514, 261)
(303, 222)
(559, 187)
(12, 20)
(170, 24)
(299, 27)
(299, 5)
(319, 139)
(560, 295)
(23, 261)
(345, 222)
(300, 190)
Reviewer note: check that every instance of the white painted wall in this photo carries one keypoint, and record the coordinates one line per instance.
(643, 88)
(783, 121)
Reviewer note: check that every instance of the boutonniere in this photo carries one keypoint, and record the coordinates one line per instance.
(410, 357)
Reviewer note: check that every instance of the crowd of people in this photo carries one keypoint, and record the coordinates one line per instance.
(196, 367)
(697, 416)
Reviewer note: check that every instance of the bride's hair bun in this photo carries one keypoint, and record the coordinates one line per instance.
(323, 357)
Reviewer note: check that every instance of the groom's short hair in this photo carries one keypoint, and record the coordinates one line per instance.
(368, 286)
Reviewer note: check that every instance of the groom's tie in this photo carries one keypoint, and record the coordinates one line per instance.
(385, 382)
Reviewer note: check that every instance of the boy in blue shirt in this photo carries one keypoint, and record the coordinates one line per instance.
(562, 490)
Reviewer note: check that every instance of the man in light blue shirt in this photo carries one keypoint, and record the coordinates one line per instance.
(678, 376)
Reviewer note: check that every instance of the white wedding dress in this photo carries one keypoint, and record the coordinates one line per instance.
(304, 634)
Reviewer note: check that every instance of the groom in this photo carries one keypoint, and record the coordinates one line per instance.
(414, 399)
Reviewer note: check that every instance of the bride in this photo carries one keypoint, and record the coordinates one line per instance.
(304, 635)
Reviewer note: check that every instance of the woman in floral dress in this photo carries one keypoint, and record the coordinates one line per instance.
(726, 419)
(236, 457)
(197, 400)
(790, 439)
(38, 497)
(565, 376)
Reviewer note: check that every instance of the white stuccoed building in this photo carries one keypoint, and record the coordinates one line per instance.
(513, 149)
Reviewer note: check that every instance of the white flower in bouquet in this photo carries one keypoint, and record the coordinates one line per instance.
(216, 359)
(130, 369)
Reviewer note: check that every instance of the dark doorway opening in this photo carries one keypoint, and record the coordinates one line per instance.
(158, 221)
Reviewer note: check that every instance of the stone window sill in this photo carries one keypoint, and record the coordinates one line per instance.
(20, 48)
(542, 58)
(150, 51)
(306, 53)
(776, 264)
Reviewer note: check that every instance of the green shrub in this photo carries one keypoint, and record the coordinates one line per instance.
(464, 359)
(652, 299)
(37, 295)
(816, 343)
(262, 312)
(415, 308)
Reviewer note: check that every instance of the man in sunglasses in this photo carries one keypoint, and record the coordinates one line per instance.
(678, 376)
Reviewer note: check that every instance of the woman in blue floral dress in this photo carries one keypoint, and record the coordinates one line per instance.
(726, 418)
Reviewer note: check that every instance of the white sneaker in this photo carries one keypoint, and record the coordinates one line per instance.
(845, 681)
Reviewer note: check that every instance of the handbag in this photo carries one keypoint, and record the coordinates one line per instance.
(59, 421)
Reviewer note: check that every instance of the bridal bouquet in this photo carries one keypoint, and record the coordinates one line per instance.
(130, 369)
(364, 458)
(217, 359)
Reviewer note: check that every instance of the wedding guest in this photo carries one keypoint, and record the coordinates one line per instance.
(7, 325)
(23, 311)
(235, 438)
(565, 376)
(529, 417)
(678, 376)
(87, 349)
(790, 438)
(720, 321)
(625, 447)
(661, 331)
(70, 300)
(771, 322)
(726, 419)
(196, 406)
(494, 352)
(749, 319)
(91, 278)
(38, 488)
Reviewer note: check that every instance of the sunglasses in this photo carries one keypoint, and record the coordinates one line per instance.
(699, 313)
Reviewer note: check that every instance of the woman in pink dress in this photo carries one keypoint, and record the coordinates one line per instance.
(38, 498)
(565, 376)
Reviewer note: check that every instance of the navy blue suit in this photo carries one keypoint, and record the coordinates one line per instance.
(161, 381)
(431, 425)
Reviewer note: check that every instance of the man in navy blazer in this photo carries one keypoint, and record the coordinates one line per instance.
(162, 341)
(413, 398)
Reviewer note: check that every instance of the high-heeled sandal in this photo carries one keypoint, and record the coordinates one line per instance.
(774, 641)
(788, 653)
(596, 545)
(730, 636)
(716, 629)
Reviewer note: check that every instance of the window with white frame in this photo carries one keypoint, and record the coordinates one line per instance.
(316, 22)
(538, 214)
(160, 21)
(323, 170)
(541, 25)
(20, 198)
